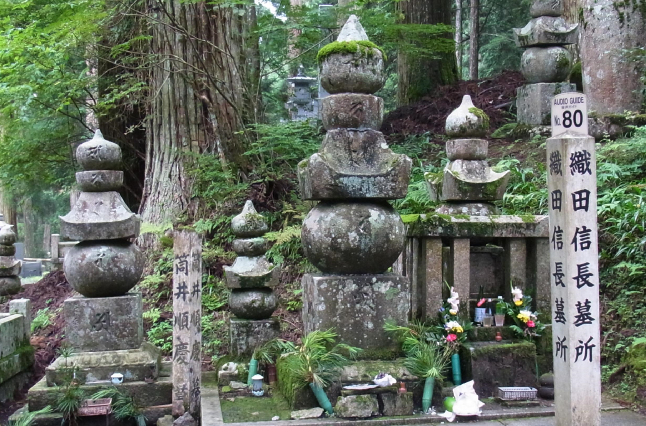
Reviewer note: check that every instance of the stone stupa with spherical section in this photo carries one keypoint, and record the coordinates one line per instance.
(353, 235)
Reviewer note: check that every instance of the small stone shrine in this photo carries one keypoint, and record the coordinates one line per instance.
(251, 279)
(353, 235)
(301, 105)
(9, 266)
(468, 184)
(104, 324)
(545, 62)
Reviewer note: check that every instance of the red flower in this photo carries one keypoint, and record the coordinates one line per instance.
(451, 337)
(531, 324)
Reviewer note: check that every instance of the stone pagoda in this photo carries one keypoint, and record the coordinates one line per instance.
(353, 235)
(251, 279)
(301, 105)
(468, 185)
(103, 325)
(9, 266)
(545, 63)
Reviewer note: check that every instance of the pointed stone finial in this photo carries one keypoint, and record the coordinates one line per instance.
(352, 30)
(99, 154)
(249, 223)
(467, 120)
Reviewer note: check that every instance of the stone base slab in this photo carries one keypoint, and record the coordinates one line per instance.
(144, 394)
(356, 306)
(104, 323)
(87, 367)
(246, 335)
(533, 102)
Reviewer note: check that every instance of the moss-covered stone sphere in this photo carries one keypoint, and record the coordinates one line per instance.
(546, 64)
(256, 304)
(353, 237)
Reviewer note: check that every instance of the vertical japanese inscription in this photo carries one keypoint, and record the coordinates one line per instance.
(187, 327)
(574, 273)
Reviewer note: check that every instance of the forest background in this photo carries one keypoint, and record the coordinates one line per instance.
(194, 94)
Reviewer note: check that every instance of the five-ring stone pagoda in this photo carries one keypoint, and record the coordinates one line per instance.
(353, 235)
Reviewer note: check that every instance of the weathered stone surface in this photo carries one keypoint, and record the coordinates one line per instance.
(399, 404)
(546, 8)
(467, 120)
(352, 30)
(166, 421)
(98, 154)
(470, 209)
(238, 385)
(256, 304)
(185, 420)
(467, 149)
(533, 101)
(493, 364)
(247, 335)
(357, 406)
(361, 72)
(7, 235)
(472, 181)
(22, 307)
(250, 246)
(546, 64)
(249, 223)
(352, 110)
(99, 180)
(251, 272)
(144, 394)
(612, 81)
(364, 371)
(104, 323)
(12, 331)
(353, 237)
(312, 413)
(99, 216)
(9, 285)
(19, 361)
(546, 31)
(7, 250)
(356, 306)
(503, 226)
(9, 266)
(135, 365)
(103, 268)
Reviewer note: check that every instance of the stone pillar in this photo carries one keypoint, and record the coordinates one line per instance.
(545, 63)
(187, 322)
(9, 266)
(461, 266)
(572, 202)
(434, 280)
(54, 254)
(22, 307)
(353, 235)
(515, 264)
(251, 279)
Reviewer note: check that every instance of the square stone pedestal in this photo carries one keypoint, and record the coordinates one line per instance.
(533, 102)
(104, 323)
(357, 307)
(247, 335)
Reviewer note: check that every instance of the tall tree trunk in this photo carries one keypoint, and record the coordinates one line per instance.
(474, 34)
(204, 91)
(458, 36)
(9, 210)
(572, 12)
(32, 242)
(418, 74)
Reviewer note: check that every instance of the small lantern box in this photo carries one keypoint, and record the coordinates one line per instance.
(516, 393)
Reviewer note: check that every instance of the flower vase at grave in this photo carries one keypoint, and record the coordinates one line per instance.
(457, 371)
(427, 396)
(321, 397)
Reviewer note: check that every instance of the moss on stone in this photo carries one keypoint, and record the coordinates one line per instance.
(527, 218)
(363, 47)
(388, 354)
(521, 349)
(254, 409)
(410, 218)
(481, 115)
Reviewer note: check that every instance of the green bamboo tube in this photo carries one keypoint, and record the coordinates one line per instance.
(253, 369)
(322, 398)
(427, 396)
(457, 371)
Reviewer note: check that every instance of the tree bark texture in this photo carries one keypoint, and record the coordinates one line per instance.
(474, 34)
(204, 89)
(458, 36)
(9, 210)
(611, 78)
(572, 12)
(419, 75)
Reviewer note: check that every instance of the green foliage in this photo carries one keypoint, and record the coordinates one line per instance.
(364, 47)
(69, 401)
(27, 418)
(123, 405)
(43, 319)
(215, 294)
(161, 335)
(527, 189)
(287, 245)
(214, 333)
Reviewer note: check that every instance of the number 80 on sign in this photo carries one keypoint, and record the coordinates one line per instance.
(569, 114)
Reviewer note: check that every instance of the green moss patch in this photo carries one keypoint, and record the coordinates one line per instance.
(481, 114)
(348, 48)
(255, 409)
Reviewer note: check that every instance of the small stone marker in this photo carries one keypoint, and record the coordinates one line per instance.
(574, 270)
(187, 328)
(570, 114)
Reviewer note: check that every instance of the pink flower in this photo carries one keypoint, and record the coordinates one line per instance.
(451, 337)
(531, 324)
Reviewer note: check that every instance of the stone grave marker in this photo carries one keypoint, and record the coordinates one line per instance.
(187, 328)
(574, 272)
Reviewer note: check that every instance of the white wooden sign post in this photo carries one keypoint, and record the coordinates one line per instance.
(187, 327)
(572, 201)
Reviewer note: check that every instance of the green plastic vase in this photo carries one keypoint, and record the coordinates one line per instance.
(253, 369)
(321, 397)
(457, 371)
(427, 396)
